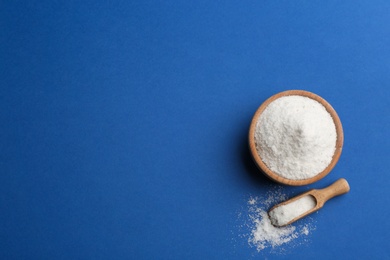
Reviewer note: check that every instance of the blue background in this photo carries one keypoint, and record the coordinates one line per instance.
(124, 124)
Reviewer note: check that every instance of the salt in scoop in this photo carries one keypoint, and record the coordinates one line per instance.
(302, 205)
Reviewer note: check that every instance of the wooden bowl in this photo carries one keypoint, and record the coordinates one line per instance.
(272, 175)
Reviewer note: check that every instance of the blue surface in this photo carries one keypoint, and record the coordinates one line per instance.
(124, 125)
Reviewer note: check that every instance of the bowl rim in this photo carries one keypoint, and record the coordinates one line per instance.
(339, 139)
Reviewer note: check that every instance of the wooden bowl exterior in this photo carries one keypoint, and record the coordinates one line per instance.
(339, 141)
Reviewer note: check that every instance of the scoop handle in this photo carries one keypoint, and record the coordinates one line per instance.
(339, 187)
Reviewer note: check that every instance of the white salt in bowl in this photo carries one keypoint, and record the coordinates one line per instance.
(277, 177)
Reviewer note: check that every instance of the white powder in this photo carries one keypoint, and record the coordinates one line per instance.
(264, 235)
(295, 137)
(283, 214)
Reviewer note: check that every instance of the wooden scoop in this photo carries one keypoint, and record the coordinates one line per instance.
(318, 198)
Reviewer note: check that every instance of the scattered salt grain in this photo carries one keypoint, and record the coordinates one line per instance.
(305, 231)
(252, 201)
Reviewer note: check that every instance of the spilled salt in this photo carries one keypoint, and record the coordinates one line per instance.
(265, 233)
